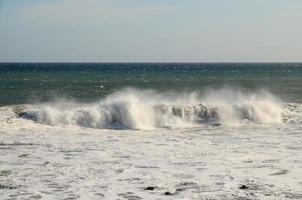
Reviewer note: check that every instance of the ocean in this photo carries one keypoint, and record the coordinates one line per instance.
(151, 131)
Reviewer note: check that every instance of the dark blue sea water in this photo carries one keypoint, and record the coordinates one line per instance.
(34, 82)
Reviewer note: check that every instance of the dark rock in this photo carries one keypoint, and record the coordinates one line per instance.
(149, 188)
(243, 187)
(167, 193)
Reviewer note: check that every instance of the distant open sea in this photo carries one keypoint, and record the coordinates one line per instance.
(33, 82)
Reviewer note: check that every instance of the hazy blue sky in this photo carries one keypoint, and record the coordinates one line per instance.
(150, 30)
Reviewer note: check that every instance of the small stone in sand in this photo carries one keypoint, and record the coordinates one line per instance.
(167, 193)
(243, 187)
(150, 188)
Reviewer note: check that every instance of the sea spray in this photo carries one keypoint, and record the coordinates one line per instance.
(147, 109)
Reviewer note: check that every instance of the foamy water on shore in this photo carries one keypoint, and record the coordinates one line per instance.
(197, 163)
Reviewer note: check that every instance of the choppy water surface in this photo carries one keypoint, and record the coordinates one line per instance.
(28, 83)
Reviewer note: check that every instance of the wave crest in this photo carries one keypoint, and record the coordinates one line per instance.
(137, 109)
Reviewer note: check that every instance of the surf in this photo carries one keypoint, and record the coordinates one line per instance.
(148, 109)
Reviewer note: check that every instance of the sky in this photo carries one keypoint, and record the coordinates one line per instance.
(150, 31)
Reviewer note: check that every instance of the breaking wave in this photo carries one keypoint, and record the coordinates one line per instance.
(141, 109)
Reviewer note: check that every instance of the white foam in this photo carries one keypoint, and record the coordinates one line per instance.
(147, 109)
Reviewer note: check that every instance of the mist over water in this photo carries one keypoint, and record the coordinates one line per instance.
(147, 109)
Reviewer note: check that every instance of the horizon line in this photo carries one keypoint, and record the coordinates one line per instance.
(152, 62)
